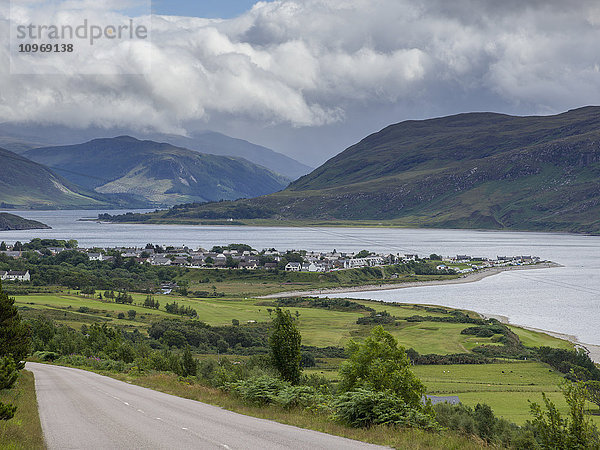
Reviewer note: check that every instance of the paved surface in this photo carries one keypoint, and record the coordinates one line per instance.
(83, 410)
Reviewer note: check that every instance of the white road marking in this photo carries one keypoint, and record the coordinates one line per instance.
(125, 403)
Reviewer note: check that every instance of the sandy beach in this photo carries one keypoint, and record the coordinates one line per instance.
(468, 278)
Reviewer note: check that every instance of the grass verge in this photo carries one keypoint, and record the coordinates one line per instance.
(24, 431)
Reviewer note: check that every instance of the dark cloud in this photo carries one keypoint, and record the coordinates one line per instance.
(310, 76)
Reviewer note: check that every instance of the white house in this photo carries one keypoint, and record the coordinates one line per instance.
(293, 267)
(15, 275)
(96, 256)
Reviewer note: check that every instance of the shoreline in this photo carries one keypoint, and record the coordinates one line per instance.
(592, 350)
(469, 278)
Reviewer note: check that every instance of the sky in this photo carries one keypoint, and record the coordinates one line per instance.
(307, 78)
(224, 9)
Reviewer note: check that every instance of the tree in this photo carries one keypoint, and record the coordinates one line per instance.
(362, 254)
(132, 313)
(3, 246)
(379, 364)
(285, 343)
(555, 432)
(188, 363)
(230, 262)
(14, 346)
(14, 335)
(593, 391)
(8, 377)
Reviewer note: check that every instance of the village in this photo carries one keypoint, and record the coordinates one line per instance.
(242, 256)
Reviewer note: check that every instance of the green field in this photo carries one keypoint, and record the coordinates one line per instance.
(506, 387)
(319, 327)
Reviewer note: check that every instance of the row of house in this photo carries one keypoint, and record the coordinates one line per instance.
(270, 259)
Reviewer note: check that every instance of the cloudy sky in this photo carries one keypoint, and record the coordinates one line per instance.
(310, 77)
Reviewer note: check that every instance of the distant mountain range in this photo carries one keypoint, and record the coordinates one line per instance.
(22, 137)
(155, 174)
(475, 170)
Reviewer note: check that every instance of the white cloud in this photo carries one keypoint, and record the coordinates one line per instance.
(307, 63)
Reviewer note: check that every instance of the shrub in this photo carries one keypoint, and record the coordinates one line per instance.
(365, 407)
(379, 364)
(299, 396)
(259, 390)
(46, 356)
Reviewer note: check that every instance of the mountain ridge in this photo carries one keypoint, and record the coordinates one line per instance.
(20, 138)
(158, 173)
(473, 170)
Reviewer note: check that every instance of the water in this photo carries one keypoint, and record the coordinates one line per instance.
(564, 299)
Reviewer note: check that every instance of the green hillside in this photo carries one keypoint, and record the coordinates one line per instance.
(477, 170)
(157, 173)
(26, 184)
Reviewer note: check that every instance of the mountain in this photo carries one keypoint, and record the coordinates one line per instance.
(157, 173)
(25, 184)
(220, 144)
(474, 170)
(13, 222)
(22, 137)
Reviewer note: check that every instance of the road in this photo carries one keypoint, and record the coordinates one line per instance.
(84, 410)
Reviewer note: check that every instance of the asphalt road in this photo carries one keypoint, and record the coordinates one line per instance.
(84, 410)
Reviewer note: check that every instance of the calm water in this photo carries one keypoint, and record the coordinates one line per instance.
(565, 299)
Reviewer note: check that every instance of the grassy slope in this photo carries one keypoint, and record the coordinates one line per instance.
(23, 431)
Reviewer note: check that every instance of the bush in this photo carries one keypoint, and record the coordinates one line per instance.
(46, 356)
(478, 331)
(365, 407)
(380, 364)
(482, 422)
(299, 396)
(259, 390)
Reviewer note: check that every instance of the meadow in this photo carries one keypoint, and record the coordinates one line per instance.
(507, 386)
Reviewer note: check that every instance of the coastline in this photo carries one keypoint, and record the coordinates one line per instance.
(592, 350)
(469, 278)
